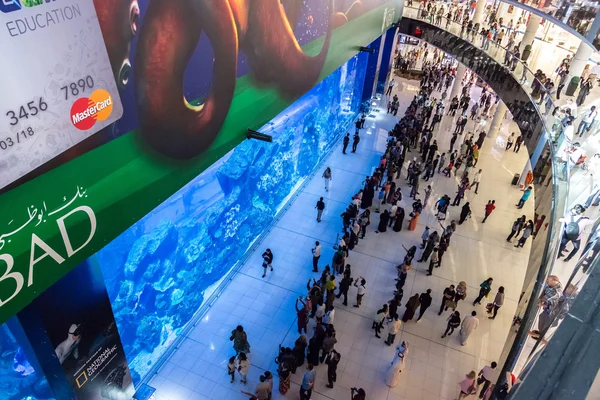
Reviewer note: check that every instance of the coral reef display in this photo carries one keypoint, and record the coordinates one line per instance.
(18, 378)
(161, 271)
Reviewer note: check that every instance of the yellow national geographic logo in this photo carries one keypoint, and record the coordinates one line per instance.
(81, 379)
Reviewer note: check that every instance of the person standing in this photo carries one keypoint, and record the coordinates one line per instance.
(524, 197)
(316, 252)
(346, 143)
(393, 327)
(518, 143)
(434, 260)
(361, 290)
(516, 227)
(355, 142)
(484, 289)
(489, 207)
(411, 307)
(528, 231)
(469, 324)
(498, 302)
(240, 340)
(476, 180)
(231, 367)
(449, 294)
(586, 121)
(378, 320)
(267, 261)
(243, 367)
(327, 178)
(327, 346)
(563, 74)
(262, 389)
(388, 92)
(332, 364)
(425, 301)
(453, 323)
(320, 207)
(308, 382)
(302, 316)
(344, 286)
(392, 377)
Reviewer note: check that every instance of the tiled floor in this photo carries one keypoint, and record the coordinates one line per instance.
(265, 307)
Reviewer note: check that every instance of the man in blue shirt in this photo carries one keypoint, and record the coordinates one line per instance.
(308, 381)
(526, 194)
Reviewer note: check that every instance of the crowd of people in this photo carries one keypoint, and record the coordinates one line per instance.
(412, 157)
(381, 194)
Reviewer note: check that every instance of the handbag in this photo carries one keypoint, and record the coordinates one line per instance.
(451, 304)
(489, 307)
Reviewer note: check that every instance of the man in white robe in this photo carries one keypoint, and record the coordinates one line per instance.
(469, 324)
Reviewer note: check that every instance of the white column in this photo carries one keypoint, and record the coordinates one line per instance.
(497, 121)
(581, 58)
(530, 31)
(457, 87)
(478, 14)
(502, 11)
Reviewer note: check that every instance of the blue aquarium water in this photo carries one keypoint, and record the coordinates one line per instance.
(160, 271)
(20, 375)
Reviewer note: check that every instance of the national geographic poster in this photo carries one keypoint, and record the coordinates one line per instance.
(79, 324)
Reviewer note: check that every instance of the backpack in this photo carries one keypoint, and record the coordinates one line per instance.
(572, 229)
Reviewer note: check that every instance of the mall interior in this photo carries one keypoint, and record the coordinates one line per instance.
(349, 199)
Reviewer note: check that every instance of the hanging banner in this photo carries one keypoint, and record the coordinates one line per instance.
(76, 316)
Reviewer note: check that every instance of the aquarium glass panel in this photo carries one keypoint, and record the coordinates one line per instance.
(21, 377)
(161, 271)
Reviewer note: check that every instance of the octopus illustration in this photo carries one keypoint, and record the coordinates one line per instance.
(119, 22)
(168, 35)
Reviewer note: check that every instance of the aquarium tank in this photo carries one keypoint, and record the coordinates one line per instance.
(21, 377)
(161, 270)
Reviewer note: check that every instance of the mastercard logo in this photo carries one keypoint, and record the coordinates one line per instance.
(86, 111)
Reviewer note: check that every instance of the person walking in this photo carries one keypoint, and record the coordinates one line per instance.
(332, 363)
(487, 376)
(527, 231)
(240, 340)
(361, 290)
(267, 261)
(484, 289)
(355, 142)
(524, 197)
(498, 302)
(476, 180)
(449, 294)
(469, 324)
(308, 382)
(465, 212)
(411, 307)
(320, 207)
(425, 302)
(346, 143)
(468, 386)
(453, 323)
(316, 253)
(327, 178)
(509, 141)
(393, 327)
(489, 207)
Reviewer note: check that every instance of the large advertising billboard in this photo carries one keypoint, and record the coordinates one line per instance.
(192, 78)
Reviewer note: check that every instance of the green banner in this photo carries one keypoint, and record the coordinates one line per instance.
(54, 222)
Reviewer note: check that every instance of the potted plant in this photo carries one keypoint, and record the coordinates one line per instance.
(526, 52)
